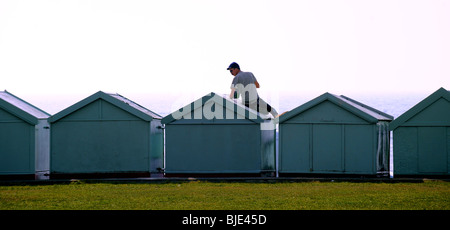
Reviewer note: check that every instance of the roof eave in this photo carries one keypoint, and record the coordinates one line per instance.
(419, 107)
(337, 101)
(217, 99)
(94, 97)
(19, 113)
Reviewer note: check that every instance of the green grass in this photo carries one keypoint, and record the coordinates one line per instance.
(200, 195)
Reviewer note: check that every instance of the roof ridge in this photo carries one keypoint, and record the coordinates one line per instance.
(357, 108)
(219, 99)
(419, 107)
(114, 99)
(137, 104)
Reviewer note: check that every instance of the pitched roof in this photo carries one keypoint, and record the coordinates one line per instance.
(115, 99)
(21, 108)
(419, 107)
(223, 101)
(357, 108)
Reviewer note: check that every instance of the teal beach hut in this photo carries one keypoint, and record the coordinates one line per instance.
(335, 135)
(105, 135)
(218, 136)
(24, 139)
(422, 138)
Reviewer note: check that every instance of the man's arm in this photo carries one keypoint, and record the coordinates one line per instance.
(232, 93)
(256, 81)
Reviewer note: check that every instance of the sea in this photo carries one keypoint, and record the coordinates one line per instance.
(394, 104)
(163, 104)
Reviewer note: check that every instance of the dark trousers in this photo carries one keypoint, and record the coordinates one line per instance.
(268, 108)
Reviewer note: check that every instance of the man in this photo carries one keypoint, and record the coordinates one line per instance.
(245, 84)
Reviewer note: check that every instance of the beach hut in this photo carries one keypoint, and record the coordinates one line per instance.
(105, 135)
(422, 137)
(24, 139)
(218, 136)
(334, 135)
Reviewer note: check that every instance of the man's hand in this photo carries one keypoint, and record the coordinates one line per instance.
(232, 93)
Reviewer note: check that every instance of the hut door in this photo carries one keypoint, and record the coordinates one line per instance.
(327, 148)
(432, 149)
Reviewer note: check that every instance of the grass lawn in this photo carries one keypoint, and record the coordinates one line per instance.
(201, 195)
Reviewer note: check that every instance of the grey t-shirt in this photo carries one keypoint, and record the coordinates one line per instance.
(244, 84)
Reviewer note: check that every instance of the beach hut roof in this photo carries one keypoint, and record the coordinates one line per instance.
(441, 93)
(359, 109)
(225, 102)
(21, 108)
(115, 99)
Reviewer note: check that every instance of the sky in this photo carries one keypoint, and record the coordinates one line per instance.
(180, 47)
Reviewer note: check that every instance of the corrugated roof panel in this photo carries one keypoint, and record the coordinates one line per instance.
(113, 98)
(365, 112)
(366, 109)
(220, 100)
(135, 105)
(23, 105)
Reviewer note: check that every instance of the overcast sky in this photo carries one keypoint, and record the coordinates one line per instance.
(183, 46)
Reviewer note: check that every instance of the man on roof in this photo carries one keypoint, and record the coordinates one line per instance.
(245, 84)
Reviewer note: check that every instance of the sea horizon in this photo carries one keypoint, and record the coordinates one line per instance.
(163, 104)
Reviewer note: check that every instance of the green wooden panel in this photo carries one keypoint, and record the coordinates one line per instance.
(326, 112)
(438, 113)
(89, 112)
(16, 148)
(359, 149)
(5, 116)
(213, 149)
(213, 113)
(101, 146)
(432, 149)
(434, 110)
(268, 150)
(421, 151)
(327, 148)
(99, 110)
(448, 150)
(295, 148)
(212, 108)
(405, 151)
(112, 112)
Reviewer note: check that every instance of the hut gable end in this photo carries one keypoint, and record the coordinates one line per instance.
(214, 109)
(5, 116)
(436, 113)
(326, 112)
(19, 108)
(99, 110)
(431, 111)
(330, 108)
(422, 137)
(24, 144)
(104, 106)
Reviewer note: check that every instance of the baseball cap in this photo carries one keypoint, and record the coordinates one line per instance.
(233, 65)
